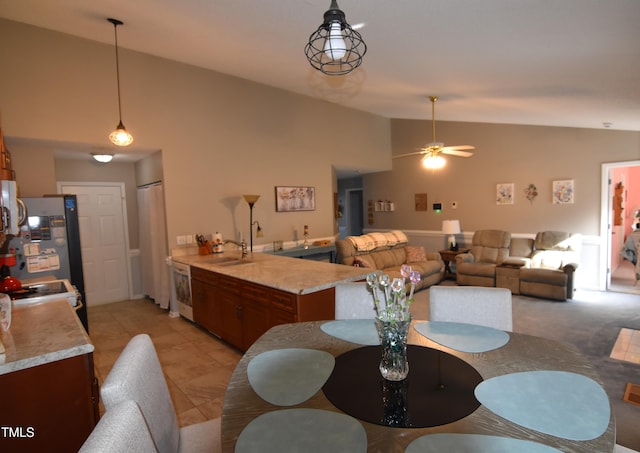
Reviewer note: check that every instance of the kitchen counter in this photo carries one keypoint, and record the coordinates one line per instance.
(42, 333)
(287, 274)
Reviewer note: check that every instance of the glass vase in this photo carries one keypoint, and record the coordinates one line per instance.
(394, 365)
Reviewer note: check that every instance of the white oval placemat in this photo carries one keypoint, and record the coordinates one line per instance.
(474, 443)
(302, 430)
(559, 403)
(286, 377)
(358, 331)
(463, 337)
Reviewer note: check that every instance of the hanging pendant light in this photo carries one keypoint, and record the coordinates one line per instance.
(120, 136)
(335, 48)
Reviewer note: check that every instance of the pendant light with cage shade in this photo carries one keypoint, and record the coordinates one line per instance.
(335, 48)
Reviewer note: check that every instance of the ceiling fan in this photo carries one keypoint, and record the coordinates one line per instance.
(432, 151)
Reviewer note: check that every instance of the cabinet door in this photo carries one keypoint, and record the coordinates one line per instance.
(255, 312)
(205, 309)
(229, 321)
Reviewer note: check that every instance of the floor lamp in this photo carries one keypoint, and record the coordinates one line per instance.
(251, 200)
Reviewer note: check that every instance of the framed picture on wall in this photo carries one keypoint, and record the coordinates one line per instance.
(563, 191)
(504, 193)
(295, 198)
(421, 202)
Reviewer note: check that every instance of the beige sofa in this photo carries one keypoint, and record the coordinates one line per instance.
(541, 267)
(387, 252)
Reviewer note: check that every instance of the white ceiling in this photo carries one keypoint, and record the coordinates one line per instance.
(569, 63)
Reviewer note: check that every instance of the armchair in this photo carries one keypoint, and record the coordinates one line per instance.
(478, 267)
(554, 260)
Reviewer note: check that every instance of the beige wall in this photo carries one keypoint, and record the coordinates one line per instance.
(220, 136)
(503, 154)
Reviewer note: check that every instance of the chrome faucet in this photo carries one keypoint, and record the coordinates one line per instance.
(242, 245)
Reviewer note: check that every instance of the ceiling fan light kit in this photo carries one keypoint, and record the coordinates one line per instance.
(431, 151)
(335, 48)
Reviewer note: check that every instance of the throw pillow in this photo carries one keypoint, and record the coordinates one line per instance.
(364, 261)
(415, 254)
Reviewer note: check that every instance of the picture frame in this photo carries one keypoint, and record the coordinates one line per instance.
(420, 200)
(295, 198)
(563, 191)
(504, 193)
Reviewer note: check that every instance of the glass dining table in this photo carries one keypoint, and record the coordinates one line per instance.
(315, 386)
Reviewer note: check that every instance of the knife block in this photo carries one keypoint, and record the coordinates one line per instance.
(204, 249)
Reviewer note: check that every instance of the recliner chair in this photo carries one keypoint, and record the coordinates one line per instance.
(553, 262)
(489, 248)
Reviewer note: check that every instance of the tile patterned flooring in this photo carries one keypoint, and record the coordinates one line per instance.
(627, 346)
(197, 366)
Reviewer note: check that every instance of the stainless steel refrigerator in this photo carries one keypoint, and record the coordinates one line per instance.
(49, 244)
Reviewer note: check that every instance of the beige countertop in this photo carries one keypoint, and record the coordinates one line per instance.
(42, 333)
(293, 275)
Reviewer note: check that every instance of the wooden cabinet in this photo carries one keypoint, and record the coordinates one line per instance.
(50, 407)
(239, 312)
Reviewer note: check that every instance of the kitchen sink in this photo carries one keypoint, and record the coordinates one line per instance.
(227, 261)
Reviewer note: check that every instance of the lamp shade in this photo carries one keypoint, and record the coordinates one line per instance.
(251, 199)
(451, 226)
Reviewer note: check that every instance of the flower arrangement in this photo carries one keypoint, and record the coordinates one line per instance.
(531, 192)
(394, 304)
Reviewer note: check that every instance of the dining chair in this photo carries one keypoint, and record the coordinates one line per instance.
(490, 307)
(354, 301)
(137, 375)
(121, 429)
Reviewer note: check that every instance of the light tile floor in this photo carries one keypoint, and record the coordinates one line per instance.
(197, 366)
(627, 346)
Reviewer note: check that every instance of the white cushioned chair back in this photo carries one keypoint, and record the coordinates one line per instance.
(122, 428)
(490, 307)
(354, 301)
(137, 375)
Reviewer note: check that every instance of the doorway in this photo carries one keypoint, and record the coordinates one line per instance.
(354, 212)
(620, 202)
(104, 239)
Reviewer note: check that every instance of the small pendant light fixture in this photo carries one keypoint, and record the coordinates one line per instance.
(335, 48)
(120, 136)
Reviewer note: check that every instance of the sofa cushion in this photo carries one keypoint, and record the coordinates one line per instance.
(521, 247)
(389, 258)
(547, 259)
(490, 246)
(415, 254)
(364, 261)
(426, 267)
(556, 240)
(477, 269)
(546, 276)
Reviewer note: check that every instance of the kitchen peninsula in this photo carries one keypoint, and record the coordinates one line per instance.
(239, 299)
(49, 390)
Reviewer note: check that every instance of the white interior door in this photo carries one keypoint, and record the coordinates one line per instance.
(103, 238)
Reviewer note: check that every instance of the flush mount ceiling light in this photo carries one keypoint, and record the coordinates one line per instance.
(120, 136)
(102, 157)
(335, 48)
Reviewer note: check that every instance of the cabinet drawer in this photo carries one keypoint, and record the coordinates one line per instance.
(284, 301)
(254, 293)
(203, 276)
(230, 285)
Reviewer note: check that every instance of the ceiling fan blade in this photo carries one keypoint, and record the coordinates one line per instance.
(455, 151)
(462, 147)
(423, 151)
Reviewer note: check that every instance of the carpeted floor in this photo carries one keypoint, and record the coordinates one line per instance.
(591, 322)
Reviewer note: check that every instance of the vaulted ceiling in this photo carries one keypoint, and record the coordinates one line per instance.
(569, 63)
